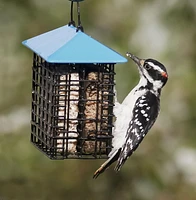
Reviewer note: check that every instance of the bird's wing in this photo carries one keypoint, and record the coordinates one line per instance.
(145, 113)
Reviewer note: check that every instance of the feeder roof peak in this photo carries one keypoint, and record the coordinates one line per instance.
(66, 45)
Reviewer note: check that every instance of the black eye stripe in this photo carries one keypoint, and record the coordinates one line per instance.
(154, 69)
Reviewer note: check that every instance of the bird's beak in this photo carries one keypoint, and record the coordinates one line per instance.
(138, 61)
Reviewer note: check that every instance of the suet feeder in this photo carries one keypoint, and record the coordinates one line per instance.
(72, 93)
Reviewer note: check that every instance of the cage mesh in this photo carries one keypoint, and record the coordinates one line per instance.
(72, 109)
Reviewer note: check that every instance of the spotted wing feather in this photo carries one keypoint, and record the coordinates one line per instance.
(145, 113)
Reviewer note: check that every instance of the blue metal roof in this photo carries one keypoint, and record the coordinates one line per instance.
(65, 45)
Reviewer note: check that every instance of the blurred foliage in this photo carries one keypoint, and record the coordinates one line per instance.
(164, 166)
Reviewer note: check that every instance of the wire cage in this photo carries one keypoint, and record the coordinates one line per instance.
(72, 109)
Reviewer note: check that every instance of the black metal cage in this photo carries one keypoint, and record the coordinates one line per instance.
(72, 109)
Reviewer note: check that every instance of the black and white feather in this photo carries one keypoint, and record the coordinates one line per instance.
(137, 113)
(145, 113)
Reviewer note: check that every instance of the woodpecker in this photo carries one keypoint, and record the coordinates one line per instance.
(137, 113)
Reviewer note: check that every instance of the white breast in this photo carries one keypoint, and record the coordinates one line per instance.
(123, 113)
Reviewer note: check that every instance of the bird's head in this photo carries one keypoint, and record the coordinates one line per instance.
(152, 71)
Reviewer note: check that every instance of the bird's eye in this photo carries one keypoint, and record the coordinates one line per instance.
(147, 66)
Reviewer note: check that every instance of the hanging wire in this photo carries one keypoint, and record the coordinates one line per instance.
(80, 27)
(72, 22)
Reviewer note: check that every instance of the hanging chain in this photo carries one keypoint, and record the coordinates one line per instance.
(72, 22)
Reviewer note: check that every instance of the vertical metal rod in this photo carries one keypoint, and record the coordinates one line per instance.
(71, 15)
(79, 19)
(78, 10)
(110, 104)
(34, 101)
(72, 11)
(81, 108)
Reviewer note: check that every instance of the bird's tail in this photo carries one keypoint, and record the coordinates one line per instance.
(119, 164)
(107, 163)
(122, 159)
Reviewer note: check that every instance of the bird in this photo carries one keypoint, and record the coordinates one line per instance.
(137, 113)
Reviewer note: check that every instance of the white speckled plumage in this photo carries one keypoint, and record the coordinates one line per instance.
(124, 114)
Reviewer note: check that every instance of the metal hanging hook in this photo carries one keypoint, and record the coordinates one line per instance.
(79, 19)
(72, 22)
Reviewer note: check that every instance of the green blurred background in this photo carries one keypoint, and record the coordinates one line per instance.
(164, 167)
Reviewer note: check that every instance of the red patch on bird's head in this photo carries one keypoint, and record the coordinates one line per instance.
(164, 74)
